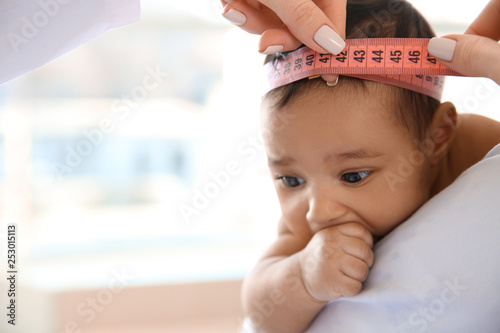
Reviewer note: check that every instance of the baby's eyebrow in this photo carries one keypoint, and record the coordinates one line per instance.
(353, 154)
(283, 161)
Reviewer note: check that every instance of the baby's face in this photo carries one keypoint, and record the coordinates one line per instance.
(343, 158)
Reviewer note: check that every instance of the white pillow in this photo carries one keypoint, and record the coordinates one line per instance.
(437, 272)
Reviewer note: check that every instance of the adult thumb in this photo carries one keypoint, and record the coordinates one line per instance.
(470, 55)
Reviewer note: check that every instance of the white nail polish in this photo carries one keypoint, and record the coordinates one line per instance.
(442, 48)
(273, 49)
(332, 83)
(328, 39)
(235, 17)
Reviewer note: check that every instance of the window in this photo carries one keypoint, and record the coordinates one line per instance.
(141, 148)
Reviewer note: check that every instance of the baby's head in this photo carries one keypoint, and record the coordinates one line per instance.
(361, 151)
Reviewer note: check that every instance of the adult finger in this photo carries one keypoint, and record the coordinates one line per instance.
(309, 24)
(487, 24)
(250, 18)
(278, 39)
(469, 55)
(337, 14)
(281, 40)
(336, 11)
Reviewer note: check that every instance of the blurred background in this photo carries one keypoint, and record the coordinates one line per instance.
(134, 169)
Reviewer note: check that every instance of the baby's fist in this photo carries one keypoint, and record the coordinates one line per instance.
(336, 261)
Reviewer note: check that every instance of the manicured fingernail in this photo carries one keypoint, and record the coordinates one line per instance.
(332, 83)
(442, 48)
(273, 49)
(235, 17)
(328, 39)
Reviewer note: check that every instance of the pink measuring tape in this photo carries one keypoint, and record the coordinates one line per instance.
(402, 62)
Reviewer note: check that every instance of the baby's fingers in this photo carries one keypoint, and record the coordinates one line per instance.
(349, 286)
(356, 230)
(359, 250)
(355, 268)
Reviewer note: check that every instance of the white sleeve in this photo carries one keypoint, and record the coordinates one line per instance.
(437, 272)
(34, 32)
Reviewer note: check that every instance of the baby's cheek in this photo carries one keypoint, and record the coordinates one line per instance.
(293, 209)
(387, 213)
(403, 206)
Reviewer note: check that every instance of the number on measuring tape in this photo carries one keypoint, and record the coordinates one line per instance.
(430, 58)
(392, 57)
(378, 56)
(298, 64)
(324, 57)
(310, 60)
(414, 56)
(287, 69)
(396, 56)
(359, 55)
(342, 56)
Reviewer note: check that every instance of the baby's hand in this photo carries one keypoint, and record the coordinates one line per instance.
(336, 261)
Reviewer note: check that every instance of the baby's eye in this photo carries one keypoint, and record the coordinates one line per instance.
(292, 181)
(354, 177)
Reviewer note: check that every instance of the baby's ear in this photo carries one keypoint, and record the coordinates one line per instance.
(443, 130)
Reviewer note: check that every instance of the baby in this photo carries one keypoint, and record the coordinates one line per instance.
(336, 161)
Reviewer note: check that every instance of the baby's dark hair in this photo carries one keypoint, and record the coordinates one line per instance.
(374, 19)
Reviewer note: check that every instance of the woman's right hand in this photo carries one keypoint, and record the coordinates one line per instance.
(477, 52)
(284, 25)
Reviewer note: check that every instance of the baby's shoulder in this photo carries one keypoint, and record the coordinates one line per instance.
(479, 132)
(476, 135)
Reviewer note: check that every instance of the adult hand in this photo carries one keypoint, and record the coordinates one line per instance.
(284, 25)
(477, 52)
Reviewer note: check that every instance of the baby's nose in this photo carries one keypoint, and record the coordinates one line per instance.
(325, 210)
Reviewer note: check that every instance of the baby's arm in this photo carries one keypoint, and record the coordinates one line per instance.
(299, 274)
